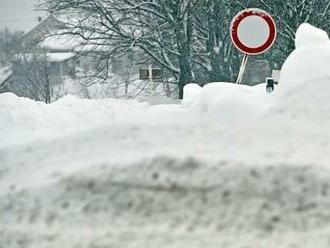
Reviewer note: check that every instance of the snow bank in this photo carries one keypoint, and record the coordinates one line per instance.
(228, 103)
(195, 185)
(22, 119)
(168, 203)
(191, 93)
(309, 62)
(305, 77)
(309, 35)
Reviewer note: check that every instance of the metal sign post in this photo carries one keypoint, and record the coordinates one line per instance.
(242, 69)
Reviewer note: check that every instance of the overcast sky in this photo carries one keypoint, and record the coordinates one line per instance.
(18, 14)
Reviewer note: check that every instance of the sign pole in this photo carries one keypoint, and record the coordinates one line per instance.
(242, 69)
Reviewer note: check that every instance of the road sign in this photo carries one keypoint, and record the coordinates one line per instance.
(253, 31)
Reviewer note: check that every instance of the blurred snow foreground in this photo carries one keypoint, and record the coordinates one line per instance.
(230, 167)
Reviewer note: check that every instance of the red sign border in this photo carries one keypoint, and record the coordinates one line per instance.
(253, 12)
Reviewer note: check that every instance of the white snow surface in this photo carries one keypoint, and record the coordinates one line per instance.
(24, 120)
(309, 35)
(60, 42)
(191, 93)
(59, 57)
(309, 62)
(232, 167)
(233, 104)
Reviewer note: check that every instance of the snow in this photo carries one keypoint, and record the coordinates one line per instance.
(51, 57)
(59, 57)
(191, 92)
(23, 120)
(230, 167)
(310, 35)
(231, 103)
(307, 71)
(61, 42)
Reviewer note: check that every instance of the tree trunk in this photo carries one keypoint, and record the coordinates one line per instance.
(184, 32)
(215, 43)
(185, 73)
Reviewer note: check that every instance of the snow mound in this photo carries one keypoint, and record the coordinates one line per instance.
(231, 103)
(189, 202)
(308, 34)
(191, 92)
(305, 76)
(309, 62)
(26, 119)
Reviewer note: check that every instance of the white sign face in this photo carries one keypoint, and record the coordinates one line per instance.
(253, 31)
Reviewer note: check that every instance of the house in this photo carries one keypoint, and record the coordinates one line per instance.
(54, 53)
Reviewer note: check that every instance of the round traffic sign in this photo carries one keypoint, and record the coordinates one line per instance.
(253, 31)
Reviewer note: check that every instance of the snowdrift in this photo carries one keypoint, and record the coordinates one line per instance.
(228, 103)
(22, 119)
(169, 175)
(305, 78)
(187, 202)
(303, 92)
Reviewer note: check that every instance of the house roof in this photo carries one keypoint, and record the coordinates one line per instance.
(50, 57)
(48, 35)
(44, 28)
(60, 42)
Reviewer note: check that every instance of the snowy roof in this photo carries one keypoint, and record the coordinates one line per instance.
(60, 42)
(51, 57)
(59, 57)
(48, 34)
(44, 28)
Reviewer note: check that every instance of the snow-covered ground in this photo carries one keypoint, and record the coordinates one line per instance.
(231, 167)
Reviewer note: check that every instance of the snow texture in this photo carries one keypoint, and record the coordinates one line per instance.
(191, 92)
(232, 167)
(59, 57)
(61, 42)
(231, 103)
(309, 62)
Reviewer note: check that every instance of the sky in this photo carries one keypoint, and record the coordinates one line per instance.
(18, 14)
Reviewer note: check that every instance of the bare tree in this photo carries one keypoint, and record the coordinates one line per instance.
(214, 51)
(162, 29)
(189, 39)
(31, 72)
